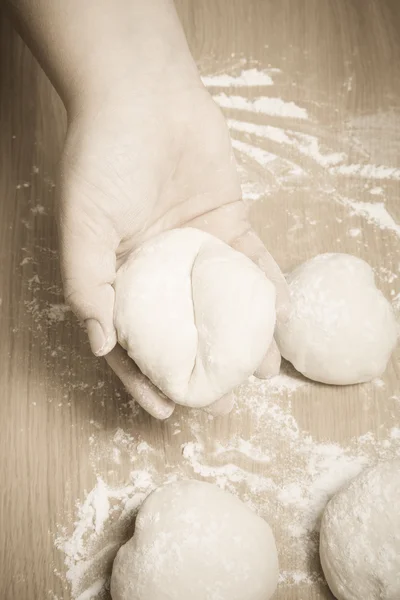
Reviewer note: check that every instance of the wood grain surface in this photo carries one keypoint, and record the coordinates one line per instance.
(339, 60)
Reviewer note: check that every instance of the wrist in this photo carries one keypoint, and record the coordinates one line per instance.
(143, 68)
(148, 55)
(88, 48)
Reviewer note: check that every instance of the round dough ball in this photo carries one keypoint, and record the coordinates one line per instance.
(360, 536)
(194, 541)
(342, 330)
(196, 316)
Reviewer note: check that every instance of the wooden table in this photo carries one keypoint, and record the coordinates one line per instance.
(60, 408)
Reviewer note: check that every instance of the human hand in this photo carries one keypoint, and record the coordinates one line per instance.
(139, 164)
(147, 150)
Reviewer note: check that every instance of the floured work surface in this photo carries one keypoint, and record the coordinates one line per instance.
(311, 92)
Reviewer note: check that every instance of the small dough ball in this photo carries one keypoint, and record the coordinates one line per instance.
(360, 536)
(196, 316)
(193, 541)
(342, 330)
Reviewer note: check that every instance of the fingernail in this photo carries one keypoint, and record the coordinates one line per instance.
(97, 339)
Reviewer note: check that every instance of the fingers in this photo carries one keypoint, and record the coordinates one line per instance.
(251, 245)
(271, 363)
(147, 395)
(138, 385)
(221, 407)
(87, 247)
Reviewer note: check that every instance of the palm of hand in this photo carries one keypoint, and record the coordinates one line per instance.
(133, 171)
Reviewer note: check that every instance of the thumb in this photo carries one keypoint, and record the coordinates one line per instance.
(87, 249)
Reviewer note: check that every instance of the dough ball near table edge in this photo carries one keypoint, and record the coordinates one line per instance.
(342, 330)
(191, 537)
(360, 536)
(196, 316)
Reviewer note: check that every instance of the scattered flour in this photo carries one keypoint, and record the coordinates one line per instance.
(396, 302)
(376, 191)
(93, 591)
(304, 144)
(281, 470)
(88, 552)
(395, 433)
(282, 171)
(307, 145)
(258, 154)
(368, 171)
(297, 578)
(57, 312)
(374, 212)
(247, 78)
(354, 232)
(274, 107)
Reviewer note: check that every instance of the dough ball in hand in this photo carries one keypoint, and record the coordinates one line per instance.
(342, 330)
(360, 536)
(193, 541)
(196, 316)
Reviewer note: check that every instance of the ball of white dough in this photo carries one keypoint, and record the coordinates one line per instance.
(342, 330)
(360, 536)
(196, 316)
(194, 541)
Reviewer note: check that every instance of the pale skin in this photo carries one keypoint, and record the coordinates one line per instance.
(146, 150)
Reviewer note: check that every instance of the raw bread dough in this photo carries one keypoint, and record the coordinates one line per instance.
(193, 541)
(196, 316)
(360, 536)
(342, 330)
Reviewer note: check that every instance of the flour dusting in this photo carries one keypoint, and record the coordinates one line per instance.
(272, 461)
(368, 171)
(374, 212)
(88, 551)
(307, 145)
(280, 471)
(274, 107)
(247, 78)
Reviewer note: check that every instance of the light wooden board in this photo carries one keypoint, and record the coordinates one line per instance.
(60, 407)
